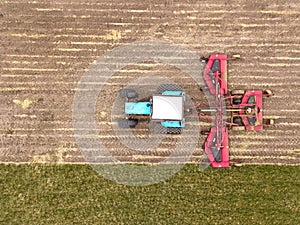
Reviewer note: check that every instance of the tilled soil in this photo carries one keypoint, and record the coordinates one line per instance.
(46, 47)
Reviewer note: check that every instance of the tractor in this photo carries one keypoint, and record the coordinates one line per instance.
(166, 108)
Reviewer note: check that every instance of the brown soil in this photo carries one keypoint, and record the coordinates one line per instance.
(47, 46)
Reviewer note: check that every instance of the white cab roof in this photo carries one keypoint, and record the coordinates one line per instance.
(167, 107)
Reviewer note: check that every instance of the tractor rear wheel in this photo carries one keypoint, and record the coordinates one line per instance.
(168, 87)
(128, 93)
(168, 130)
(174, 130)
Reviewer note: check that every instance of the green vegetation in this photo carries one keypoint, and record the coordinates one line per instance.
(76, 194)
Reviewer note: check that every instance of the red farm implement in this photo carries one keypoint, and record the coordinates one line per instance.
(237, 109)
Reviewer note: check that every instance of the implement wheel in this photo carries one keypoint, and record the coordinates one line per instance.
(237, 92)
(236, 56)
(238, 128)
(268, 93)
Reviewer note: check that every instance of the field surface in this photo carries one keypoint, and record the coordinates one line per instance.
(47, 45)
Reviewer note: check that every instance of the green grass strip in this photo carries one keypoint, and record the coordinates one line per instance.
(76, 194)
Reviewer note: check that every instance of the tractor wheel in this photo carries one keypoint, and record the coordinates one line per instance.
(238, 128)
(237, 92)
(168, 87)
(238, 120)
(168, 130)
(125, 123)
(128, 93)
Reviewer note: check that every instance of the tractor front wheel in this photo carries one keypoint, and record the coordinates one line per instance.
(128, 93)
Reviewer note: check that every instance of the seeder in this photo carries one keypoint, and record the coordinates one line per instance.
(236, 109)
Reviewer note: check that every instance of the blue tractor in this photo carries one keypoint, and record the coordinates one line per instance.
(165, 108)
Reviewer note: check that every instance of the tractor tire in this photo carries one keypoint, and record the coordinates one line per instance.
(174, 130)
(127, 123)
(237, 92)
(168, 87)
(168, 130)
(128, 93)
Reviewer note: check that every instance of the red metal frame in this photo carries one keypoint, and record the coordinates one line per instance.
(216, 144)
(220, 74)
(249, 109)
(217, 141)
(255, 113)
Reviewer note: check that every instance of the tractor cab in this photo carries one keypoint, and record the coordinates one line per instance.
(168, 109)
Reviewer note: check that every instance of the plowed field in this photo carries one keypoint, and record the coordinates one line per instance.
(47, 45)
